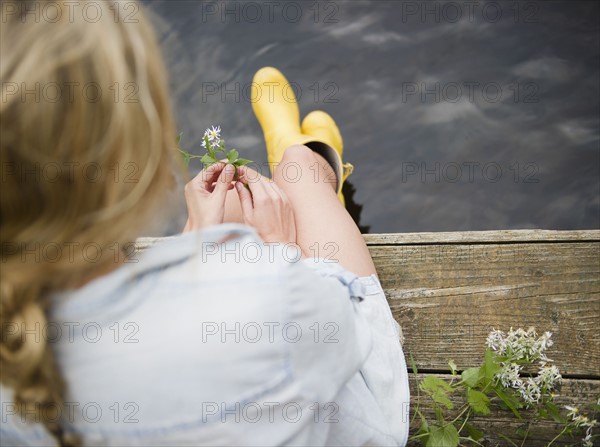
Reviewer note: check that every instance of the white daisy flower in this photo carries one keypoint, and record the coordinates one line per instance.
(214, 133)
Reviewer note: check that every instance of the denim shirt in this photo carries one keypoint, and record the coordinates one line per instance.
(216, 338)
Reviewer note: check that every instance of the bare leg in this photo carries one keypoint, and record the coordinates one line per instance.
(325, 229)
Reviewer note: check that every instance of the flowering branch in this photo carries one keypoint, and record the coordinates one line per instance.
(499, 379)
(214, 144)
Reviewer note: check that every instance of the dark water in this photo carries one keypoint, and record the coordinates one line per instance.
(456, 115)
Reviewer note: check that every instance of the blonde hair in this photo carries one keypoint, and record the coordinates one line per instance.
(86, 142)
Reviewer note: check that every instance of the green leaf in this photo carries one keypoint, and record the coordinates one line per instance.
(423, 433)
(208, 160)
(510, 401)
(554, 413)
(178, 139)
(413, 364)
(478, 401)
(242, 162)
(522, 431)
(424, 427)
(438, 390)
(471, 377)
(232, 155)
(452, 366)
(433, 383)
(186, 157)
(446, 436)
(474, 433)
(439, 414)
(490, 367)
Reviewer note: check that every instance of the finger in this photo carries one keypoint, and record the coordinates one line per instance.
(223, 182)
(208, 176)
(271, 189)
(245, 201)
(248, 175)
(280, 192)
(259, 191)
(229, 188)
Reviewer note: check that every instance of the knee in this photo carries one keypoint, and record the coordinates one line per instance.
(299, 154)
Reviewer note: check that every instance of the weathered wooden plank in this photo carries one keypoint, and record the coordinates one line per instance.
(447, 298)
(498, 236)
(461, 237)
(577, 392)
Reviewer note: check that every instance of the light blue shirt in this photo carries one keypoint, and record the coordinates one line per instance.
(215, 338)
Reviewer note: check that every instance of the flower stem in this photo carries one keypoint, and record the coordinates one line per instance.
(557, 436)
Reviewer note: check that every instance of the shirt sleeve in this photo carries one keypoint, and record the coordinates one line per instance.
(337, 338)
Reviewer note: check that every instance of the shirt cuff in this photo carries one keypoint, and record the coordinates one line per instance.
(331, 269)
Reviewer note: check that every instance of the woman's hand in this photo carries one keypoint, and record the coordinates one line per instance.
(267, 209)
(205, 196)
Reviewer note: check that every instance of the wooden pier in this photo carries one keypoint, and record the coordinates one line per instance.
(448, 290)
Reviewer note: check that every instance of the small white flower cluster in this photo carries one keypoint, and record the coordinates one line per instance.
(580, 421)
(520, 344)
(548, 376)
(213, 135)
(520, 347)
(509, 375)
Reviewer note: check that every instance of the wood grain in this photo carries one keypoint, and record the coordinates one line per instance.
(497, 236)
(447, 298)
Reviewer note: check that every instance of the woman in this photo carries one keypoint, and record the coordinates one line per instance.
(223, 335)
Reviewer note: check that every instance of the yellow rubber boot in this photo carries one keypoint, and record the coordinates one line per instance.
(322, 127)
(275, 106)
